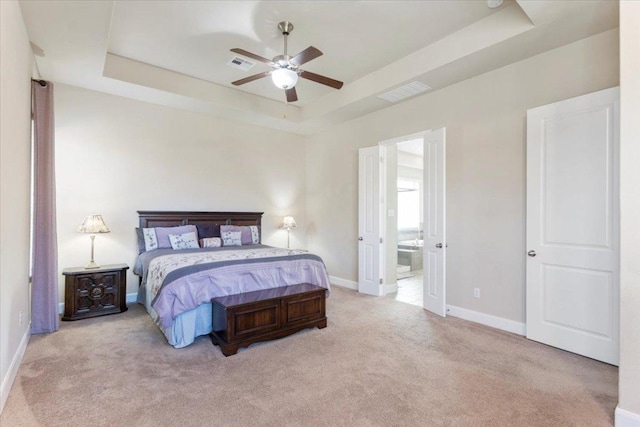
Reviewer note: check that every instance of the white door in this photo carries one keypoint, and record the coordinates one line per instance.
(573, 225)
(435, 244)
(369, 275)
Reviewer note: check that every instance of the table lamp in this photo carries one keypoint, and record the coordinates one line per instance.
(93, 224)
(288, 223)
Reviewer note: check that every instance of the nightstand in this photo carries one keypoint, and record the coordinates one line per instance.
(94, 292)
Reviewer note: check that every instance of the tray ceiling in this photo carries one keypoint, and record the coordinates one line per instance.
(174, 53)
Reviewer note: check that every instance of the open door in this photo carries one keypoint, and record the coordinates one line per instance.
(435, 246)
(369, 244)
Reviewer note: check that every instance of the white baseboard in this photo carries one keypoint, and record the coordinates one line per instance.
(626, 418)
(130, 298)
(488, 320)
(8, 380)
(338, 281)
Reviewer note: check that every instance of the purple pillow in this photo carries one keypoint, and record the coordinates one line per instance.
(205, 231)
(244, 229)
(162, 234)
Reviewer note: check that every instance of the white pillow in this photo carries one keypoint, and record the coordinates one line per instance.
(231, 238)
(184, 241)
(211, 242)
(150, 239)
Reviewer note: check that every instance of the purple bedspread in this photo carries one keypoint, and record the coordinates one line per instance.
(179, 281)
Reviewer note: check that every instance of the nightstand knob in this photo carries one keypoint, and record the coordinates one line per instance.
(97, 292)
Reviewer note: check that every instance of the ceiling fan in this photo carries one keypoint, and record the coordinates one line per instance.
(285, 69)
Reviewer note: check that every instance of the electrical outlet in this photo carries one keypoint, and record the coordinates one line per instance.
(20, 318)
(476, 292)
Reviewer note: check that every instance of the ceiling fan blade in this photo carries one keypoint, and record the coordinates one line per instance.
(321, 79)
(251, 55)
(292, 95)
(306, 55)
(250, 78)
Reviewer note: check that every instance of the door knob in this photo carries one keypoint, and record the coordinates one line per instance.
(531, 253)
(360, 238)
(438, 245)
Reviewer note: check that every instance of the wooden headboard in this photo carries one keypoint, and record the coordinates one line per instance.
(172, 218)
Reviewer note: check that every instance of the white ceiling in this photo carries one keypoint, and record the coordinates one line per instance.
(356, 37)
(174, 53)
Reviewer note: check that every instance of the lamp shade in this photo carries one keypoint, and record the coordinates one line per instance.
(288, 223)
(284, 78)
(93, 224)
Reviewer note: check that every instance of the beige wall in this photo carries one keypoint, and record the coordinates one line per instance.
(629, 397)
(15, 164)
(115, 156)
(485, 121)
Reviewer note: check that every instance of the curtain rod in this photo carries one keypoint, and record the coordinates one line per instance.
(43, 83)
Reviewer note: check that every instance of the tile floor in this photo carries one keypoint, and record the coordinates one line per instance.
(409, 289)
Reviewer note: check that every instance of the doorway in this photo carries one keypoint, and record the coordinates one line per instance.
(378, 250)
(409, 221)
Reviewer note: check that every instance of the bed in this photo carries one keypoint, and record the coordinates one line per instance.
(176, 286)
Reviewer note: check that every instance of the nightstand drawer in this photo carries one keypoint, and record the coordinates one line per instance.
(95, 292)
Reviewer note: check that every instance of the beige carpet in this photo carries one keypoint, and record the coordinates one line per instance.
(379, 362)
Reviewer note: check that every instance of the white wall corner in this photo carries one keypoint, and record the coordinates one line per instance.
(8, 380)
(488, 320)
(338, 281)
(626, 418)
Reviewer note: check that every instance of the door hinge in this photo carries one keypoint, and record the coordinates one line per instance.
(381, 280)
(381, 240)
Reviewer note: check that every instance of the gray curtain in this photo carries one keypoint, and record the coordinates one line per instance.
(44, 287)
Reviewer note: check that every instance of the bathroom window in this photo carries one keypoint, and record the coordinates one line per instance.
(408, 204)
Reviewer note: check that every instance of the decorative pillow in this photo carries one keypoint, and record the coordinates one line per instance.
(208, 230)
(162, 234)
(231, 238)
(150, 239)
(184, 241)
(211, 242)
(250, 233)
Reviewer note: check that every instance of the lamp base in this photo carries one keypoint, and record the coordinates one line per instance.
(91, 265)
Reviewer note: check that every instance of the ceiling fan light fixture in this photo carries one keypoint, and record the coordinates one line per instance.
(284, 78)
(285, 69)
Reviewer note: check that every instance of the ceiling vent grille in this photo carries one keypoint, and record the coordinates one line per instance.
(241, 63)
(404, 92)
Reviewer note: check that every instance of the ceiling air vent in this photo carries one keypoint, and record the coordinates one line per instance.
(405, 91)
(241, 63)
